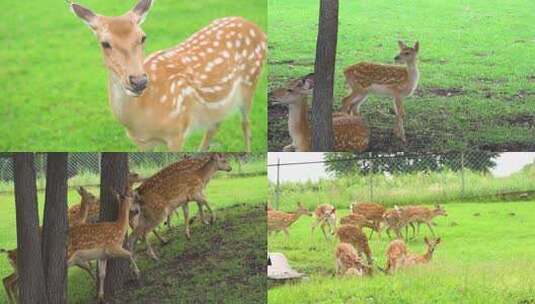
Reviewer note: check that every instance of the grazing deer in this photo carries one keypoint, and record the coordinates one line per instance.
(420, 214)
(101, 241)
(197, 83)
(372, 211)
(348, 261)
(394, 220)
(10, 282)
(325, 216)
(398, 255)
(281, 221)
(350, 132)
(393, 80)
(359, 220)
(174, 187)
(353, 235)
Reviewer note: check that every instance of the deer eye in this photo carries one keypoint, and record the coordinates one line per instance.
(289, 90)
(105, 45)
(143, 39)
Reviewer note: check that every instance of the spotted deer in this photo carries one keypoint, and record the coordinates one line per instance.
(394, 220)
(281, 221)
(372, 211)
(174, 187)
(195, 84)
(101, 241)
(359, 220)
(350, 132)
(421, 215)
(353, 235)
(398, 256)
(348, 261)
(325, 216)
(392, 80)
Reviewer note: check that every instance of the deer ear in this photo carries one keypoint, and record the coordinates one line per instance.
(87, 16)
(141, 9)
(417, 46)
(438, 241)
(308, 82)
(401, 44)
(80, 190)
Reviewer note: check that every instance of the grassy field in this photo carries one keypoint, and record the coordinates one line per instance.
(402, 189)
(54, 85)
(477, 85)
(481, 259)
(222, 193)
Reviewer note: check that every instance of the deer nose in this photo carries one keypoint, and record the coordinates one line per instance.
(138, 83)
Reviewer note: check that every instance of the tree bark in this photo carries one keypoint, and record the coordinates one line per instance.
(30, 265)
(55, 228)
(322, 103)
(113, 177)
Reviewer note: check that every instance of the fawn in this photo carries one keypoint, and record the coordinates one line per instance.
(196, 84)
(350, 132)
(419, 215)
(174, 187)
(359, 220)
(393, 80)
(348, 261)
(101, 241)
(325, 216)
(353, 235)
(398, 255)
(372, 211)
(281, 221)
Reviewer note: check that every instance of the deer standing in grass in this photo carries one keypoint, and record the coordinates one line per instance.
(325, 216)
(372, 211)
(395, 221)
(196, 84)
(348, 261)
(353, 235)
(392, 80)
(171, 188)
(421, 215)
(399, 257)
(281, 221)
(359, 220)
(350, 132)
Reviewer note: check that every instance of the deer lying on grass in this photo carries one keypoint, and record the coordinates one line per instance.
(171, 188)
(359, 220)
(101, 241)
(281, 221)
(397, 81)
(419, 215)
(353, 235)
(399, 257)
(197, 83)
(372, 211)
(325, 216)
(350, 132)
(348, 261)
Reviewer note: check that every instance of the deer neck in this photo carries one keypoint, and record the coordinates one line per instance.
(122, 217)
(428, 255)
(298, 124)
(414, 75)
(119, 101)
(208, 170)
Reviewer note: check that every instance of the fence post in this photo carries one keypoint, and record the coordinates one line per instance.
(371, 180)
(277, 189)
(462, 175)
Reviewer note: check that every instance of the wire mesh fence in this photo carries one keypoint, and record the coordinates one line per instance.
(398, 179)
(84, 168)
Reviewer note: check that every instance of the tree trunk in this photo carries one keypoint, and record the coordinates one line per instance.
(29, 263)
(113, 177)
(55, 228)
(322, 103)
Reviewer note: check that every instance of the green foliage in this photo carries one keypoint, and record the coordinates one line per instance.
(54, 86)
(481, 259)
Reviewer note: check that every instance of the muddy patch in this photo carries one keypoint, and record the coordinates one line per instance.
(296, 62)
(442, 92)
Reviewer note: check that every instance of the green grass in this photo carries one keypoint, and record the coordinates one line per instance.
(221, 193)
(403, 189)
(54, 85)
(481, 259)
(482, 49)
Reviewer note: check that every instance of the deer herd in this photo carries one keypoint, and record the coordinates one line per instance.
(353, 254)
(141, 210)
(364, 78)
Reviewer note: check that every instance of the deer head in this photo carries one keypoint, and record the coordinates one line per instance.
(87, 197)
(121, 39)
(221, 162)
(293, 91)
(301, 210)
(407, 54)
(439, 210)
(431, 245)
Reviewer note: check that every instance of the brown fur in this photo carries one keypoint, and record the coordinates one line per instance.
(281, 221)
(372, 211)
(349, 262)
(398, 255)
(359, 220)
(421, 215)
(325, 217)
(353, 235)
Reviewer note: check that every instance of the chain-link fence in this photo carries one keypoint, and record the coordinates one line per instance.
(84, 168)
(397, 179)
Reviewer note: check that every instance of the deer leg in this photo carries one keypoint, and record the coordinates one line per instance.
(201, 201)
(102, 276)
(399, 130)
(201, 214)
(123, 253)
(286, 233)
(185, 209)
(245, 110)
(160, 238)
(352, 102)
(150, 250)
(8, 286)
(323, 230)
(208, 137)
(430, 228)
(175, 144)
